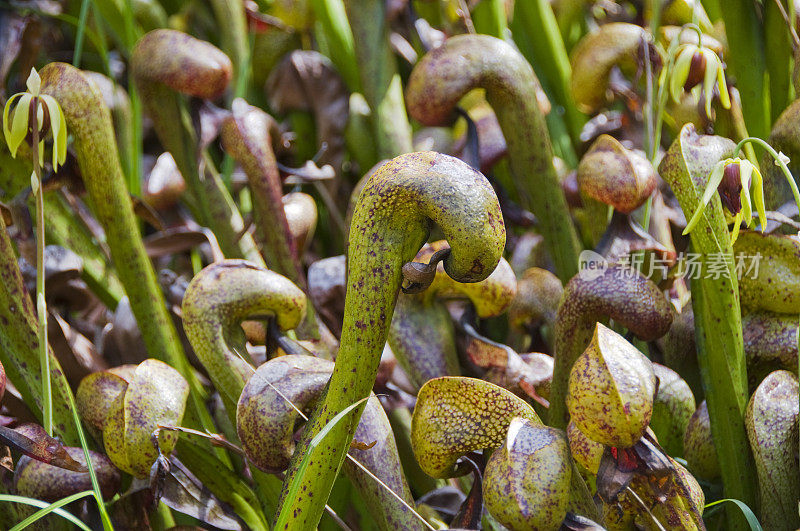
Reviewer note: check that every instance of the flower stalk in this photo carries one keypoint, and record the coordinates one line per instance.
(716, 305)
(34, 116)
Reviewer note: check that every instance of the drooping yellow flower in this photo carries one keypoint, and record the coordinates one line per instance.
(733, 179)
(693, 64)
(49, 117)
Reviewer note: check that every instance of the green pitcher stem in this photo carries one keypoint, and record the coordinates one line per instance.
(391, 222)
(167, 61)
(245, 136)
(89, 121)
(715, 301)
(465, 62)
(779, 59)
(489, 17)
(332, 18)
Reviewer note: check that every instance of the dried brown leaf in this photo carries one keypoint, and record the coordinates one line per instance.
(75, 353)
(326, 287)
(184, 493)
(307, 81)
(33, 441)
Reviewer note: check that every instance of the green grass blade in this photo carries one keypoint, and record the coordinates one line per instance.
(53, 507)
(294, 487)
(746, 511)
(41, 513)
(333, 422)
(82, 16)
(98, 496)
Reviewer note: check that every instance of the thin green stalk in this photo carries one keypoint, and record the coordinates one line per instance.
(392, 220)
(650, 147)
(778, 160)
(655, 15)
(715, 301)
(82, 16)
(569, 20)
(118, 14)
(41, 513)
(746, 511)
(19, 345)
(651, 86)
(41, 304)
(713, 9)
(380, 82)
(98, 495)
(748, 63)
(131, 31)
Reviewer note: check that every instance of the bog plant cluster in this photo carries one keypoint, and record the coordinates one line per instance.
(323, 265)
